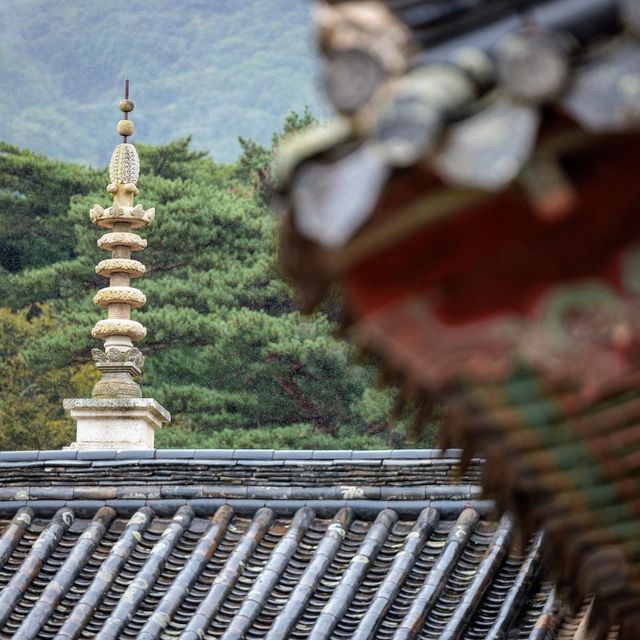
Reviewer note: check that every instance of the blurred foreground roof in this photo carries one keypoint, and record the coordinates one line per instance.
(475, 201)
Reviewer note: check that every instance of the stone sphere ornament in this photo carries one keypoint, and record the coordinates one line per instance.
(126, 128)
(126, 105)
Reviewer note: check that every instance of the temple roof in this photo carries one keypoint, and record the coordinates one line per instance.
(263, 544)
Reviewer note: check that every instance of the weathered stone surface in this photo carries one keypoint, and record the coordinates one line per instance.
(134, 268)
(116, 387)
(105, 328)
(116, 423)
(124, 295)
(117, 357)
(124, 167)
(133, 241)
(136, 217)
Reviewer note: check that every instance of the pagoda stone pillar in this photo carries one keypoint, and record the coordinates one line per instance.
(117, 416)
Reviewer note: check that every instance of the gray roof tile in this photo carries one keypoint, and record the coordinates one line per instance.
(338, 545)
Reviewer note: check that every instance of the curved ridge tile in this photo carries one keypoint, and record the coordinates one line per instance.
(227, 578)
(269, 575)
(360, 563)
(40, 551)
(402, 564)
(549, 620)
(515, 597)
(314, 572)
(438, 576)
(496, 553)
(110, 569)
(66, 575)
(13, 533)
(198, 559)
(139, 588)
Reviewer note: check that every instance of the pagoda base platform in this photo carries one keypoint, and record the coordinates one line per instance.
(118, 423)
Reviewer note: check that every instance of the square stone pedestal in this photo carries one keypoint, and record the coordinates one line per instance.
(119, 423)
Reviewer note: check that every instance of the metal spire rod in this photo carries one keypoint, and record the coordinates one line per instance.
(126, 113)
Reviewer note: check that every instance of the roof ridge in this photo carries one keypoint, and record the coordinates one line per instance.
(227, 454)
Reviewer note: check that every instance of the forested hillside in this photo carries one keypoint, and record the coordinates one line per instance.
(228, 354)
(214, 69)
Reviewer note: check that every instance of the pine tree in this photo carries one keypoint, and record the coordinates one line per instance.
(34, 205)
(229, 355)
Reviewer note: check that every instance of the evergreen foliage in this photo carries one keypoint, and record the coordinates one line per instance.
(228, 354)
(31, 415)
(34, 205)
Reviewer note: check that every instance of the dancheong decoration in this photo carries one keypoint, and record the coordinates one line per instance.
(477, 199)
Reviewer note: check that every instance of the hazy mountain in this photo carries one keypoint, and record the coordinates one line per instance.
(212, 68)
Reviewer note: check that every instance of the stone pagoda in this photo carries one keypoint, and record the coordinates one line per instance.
(117, 416)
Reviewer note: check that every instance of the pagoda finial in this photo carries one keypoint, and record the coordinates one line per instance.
(120, 363)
